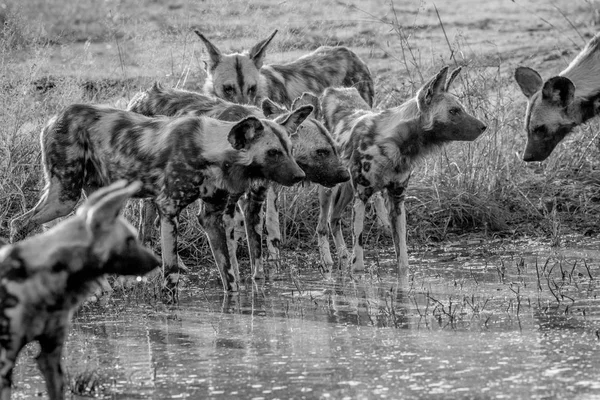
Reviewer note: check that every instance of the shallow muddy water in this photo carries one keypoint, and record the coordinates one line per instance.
(476, 321)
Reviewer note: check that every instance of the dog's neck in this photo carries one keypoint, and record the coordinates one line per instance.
(406, 141)
(583, 109)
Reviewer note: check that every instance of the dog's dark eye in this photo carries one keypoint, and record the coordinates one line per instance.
(273, 153)
(455, 111)
(323, 152)
(540, 130)
(228, 90)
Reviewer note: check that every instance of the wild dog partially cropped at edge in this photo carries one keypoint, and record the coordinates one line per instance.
(43, 279)
(244, 78)
(561, 103)
(380, 149)
(314, 151)
(178, 161)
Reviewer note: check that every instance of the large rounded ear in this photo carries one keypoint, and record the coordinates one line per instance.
(213, 52)
(529, 80)
(243, 132)
(308, 99)
(101, 215)
(99, 194)
(430, 89)
(271, 109)
(453, 76)
(258, 52)
(296, 117)
(559, 90)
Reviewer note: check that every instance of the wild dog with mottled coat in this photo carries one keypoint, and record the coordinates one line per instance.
(314, 151)
(45, 278)
(243, 78)
(559, 104)
(178, 160)
(380, 149)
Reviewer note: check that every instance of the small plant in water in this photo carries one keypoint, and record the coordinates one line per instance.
(88, 383)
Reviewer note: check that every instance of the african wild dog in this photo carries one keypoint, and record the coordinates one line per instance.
(559, 104)
(178, 161)
(242, 77)
(380, 150)
(314, 151)
(44, 279)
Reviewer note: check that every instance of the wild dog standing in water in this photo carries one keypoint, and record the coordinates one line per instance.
(314, 151)
(178, 161)
(559, 104)
(380, 150)
(242, 77)
(44, 279)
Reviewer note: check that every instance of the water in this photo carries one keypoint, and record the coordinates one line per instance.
(476, 322)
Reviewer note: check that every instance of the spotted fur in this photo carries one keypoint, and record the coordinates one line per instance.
(555, 107)
(178, 160)
(244, 78)
(44, 279)
(314, 151)
(380, 149)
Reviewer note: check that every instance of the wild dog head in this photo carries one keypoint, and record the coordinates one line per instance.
(547, 120)
(110, 242)
(442, 115)
(314, 149)
(557, 105)
(267, 147)
(234, 77)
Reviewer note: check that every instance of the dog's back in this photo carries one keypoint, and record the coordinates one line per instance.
(325, 67)
(173, 102)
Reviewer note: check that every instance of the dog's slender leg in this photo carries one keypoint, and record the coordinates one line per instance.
(148, 215)
(273, 227)
(56, 202)
(323, 228)
(240, 223)
(254, 216)
(168, 236)
(212, 220)
(396, 195)
(49, 363)
(342, 197)
(229, 218)
(358, 223)
(381, 212)
(8, 357)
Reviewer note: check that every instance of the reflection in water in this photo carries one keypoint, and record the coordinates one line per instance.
(488, 327)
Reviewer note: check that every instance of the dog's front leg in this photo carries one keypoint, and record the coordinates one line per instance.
(212, 220)
(396, 195)
(8, 357)
(323, 229)
(49, 363)
(254, 217)
(342, 196)
(358, 222)
(229, 220)
(273, 227)
(168, 238)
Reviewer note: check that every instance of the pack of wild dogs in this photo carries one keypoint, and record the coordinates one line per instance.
(255, 127)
